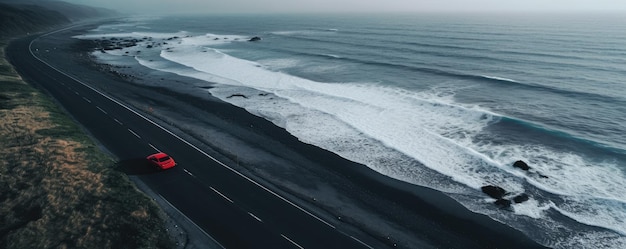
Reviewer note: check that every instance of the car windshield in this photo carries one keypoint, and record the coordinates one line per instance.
(163, 159)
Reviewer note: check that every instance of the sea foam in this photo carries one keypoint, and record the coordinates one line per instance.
(437, 132)
(390, 129)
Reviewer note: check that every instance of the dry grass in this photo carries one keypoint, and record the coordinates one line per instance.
(56, 189)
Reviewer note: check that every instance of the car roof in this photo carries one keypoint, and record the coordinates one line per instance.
(160, 155)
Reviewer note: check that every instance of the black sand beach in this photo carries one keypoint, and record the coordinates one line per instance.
(366, 202)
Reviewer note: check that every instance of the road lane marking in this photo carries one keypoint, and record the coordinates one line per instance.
(205, 154)
(292, 242)
(254, 216)
(188, 173)
(131, 131)
(86, 99)
(155, 148)
(77, 93)
(101, 110)
(120, 123)
(170, 204)
(223, 196)
(183, 140)
(362, 243)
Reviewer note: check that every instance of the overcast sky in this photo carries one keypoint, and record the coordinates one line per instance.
(230, 6)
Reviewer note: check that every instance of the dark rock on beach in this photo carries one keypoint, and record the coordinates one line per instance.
(522, 165)
(494, 191)
(499, 193)
(503, 203)
(237, 95)
(521, 198)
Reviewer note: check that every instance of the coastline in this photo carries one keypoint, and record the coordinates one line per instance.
(389, 210)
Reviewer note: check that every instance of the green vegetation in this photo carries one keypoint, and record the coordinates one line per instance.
(56, 188)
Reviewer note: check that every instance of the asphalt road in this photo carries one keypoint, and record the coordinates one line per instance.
(234, 209)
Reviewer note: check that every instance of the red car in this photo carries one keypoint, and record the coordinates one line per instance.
(161, 160)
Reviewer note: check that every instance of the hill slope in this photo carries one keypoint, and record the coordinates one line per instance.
(57, 189)
(23, 16)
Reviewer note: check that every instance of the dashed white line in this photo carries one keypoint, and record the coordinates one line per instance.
(188, 173)
(362, 243)
(188, 143)
(131, 131)
(292, 242)
(86, 99)
(223, 196)
(255, 217)
(155, 148)
(196, 225)
(119, 122)
(77, 93)
(103, 111)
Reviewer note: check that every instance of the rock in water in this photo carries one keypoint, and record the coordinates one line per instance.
(522, 165)
(237, 95)
(493, 191)
(521, 198)
(256, 38)
(503, 203)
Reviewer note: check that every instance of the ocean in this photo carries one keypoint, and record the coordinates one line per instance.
(445, 101)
